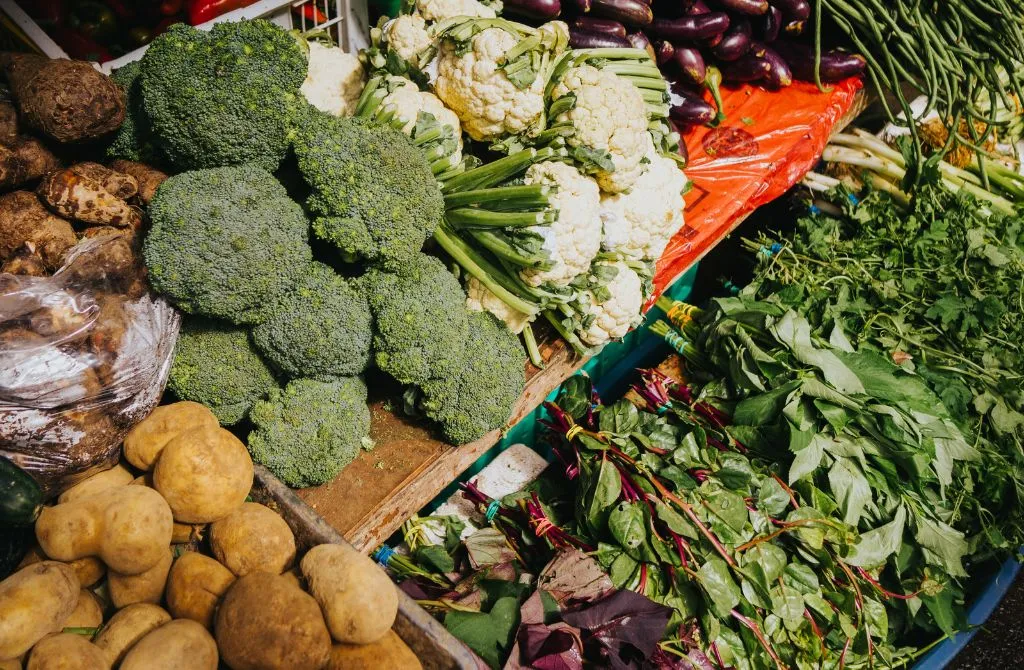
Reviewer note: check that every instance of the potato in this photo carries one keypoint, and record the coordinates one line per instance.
(357, 597)
(128, 527)
(128, 627)
(204, 474)
(145, 587)
(13, 664)
(176, 645)
(184, 533)
(294, 577)
(67, 652)
(195, 586)
(388, 652)
(34, 602)
(89, 570)
(265, 623)
(108, 479)
(148, 438)
(253, 538)
(88, 613)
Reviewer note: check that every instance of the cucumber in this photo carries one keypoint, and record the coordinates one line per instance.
(14, 544)
(21, 499)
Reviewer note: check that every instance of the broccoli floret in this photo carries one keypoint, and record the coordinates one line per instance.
(478, 393)
(372, 189)
(308, 432)
(421, 319)
(134, 139)
(216, 365)
(223, 97)
(225, 242)
(320, 328)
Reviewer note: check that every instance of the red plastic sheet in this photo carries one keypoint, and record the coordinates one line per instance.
(767, 143)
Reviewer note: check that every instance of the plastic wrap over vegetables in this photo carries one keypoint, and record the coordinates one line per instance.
(84, 355)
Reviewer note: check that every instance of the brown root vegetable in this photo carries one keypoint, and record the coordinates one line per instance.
(195, 587)
(253, 538)
(118, 184)
(27, 265)
(145, 587)
(149, 178)
(102, 481)
(88, 613)
(26, 224)
(34, 602)
(88, 570)
(127, 627)
(107, 261)
(388, 652)
(147, 439)
(68, 100)
(67, 651)
(8, 121)
(176, 645)
(84, 199)
(24, 159)
(187, 533)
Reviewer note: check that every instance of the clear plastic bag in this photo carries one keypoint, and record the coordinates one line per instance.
(84, 356)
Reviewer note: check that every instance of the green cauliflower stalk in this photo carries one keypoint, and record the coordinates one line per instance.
(373, 190)
(421, 319)
(226, 96)
(225, 242)
(477, 394)
(320, 328)
(306, 433)
(134, 139)
(216, 365)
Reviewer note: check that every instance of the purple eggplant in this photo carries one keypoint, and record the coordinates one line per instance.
(588, 24)
(630, 12)
(746, 7)
(581, 6)
(640, 41)
(794, 10)
(779, 73)
(687, 110)
(697, 8)
(688, 28)
(579, 39)
(747, 68)
(770, 25)
(690, 64)
(540, 10)
(663, 51)
(836, 64)
(735, 42)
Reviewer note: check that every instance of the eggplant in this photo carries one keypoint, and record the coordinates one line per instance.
(713, 42)
(697, 8)
(579, 39)
(747, 68)
(836, 64)
(746, 7)
(640, 41)
(794, 10)
(690, 110)
(769, 25)
(663, 51)
(589, 24)
(690, 64)
(540, 10)
(581, 6)
(631, 12)
(735, 42)
(700, 27)
(779, 73)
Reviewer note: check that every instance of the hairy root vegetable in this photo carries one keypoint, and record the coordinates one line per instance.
(25, 263)
(118, 184)
(149, 178)
(8, 121)
(68, 100)
(84, 199)
(25, 225)
(24, 159)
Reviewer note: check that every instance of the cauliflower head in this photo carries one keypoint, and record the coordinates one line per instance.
(479, 298)
(573, 241)
(609, 117)
(408, 37)
(334, 80)
(408, 101)
(610, 316)
(640, 223)
(439, 10)
(475, 87)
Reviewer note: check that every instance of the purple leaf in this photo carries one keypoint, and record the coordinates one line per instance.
(621, 627)
(541, 647)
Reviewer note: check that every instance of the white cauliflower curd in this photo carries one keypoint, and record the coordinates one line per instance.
(334, 80)
(407, 36)
(640, 223)
(408, 101)
(479, 298)
(574, 239)
(609, 116)
(474, 86)
(614, 317)
(439, 10)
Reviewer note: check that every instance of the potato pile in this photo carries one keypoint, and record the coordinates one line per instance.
(160, 563)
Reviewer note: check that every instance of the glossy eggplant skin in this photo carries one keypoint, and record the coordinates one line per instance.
(639, 41)
(691, 110)
(836, 64)
(690, 65)
(690, 28)
(579, 39)
(744, 7)
(634, 13)
(735, 42)
(663, 51)
(794, 10)
(540, 10)
(746, 69)
(769, 26)
(779, 73)
(590, 24)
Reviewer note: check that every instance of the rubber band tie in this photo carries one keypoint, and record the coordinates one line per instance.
(571, 434)
(383, 555)
(680, 314)
(676, 341)
(492, 510)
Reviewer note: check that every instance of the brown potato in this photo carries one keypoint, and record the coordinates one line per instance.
(358, 599)
(146, 440)
(184, 533)
(127, 627)
(128, 527)
(265, 623)
(253, 538)
(145, 587)
(204, 474)
(176, 645)
(388, 652)
(108, 479)
(294, 576)
(34, 602)
(13, 664)
(67, 651)
(88, 613)
(195, 587)
(89, 570)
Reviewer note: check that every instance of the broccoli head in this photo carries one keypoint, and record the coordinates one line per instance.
(306, 433)
(372, 189)
(322, 327)
(421, 319)
(134, 139)
(477, 394)
(225, 96)
(225, 242)
(216, 365)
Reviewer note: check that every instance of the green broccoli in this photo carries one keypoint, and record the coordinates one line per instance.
(320, 328)
(225, 242)
(372, 189)
(226, 96)
(134, 139)
(478, 393)
(216, 365)
(421, 319)
(308, 432)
